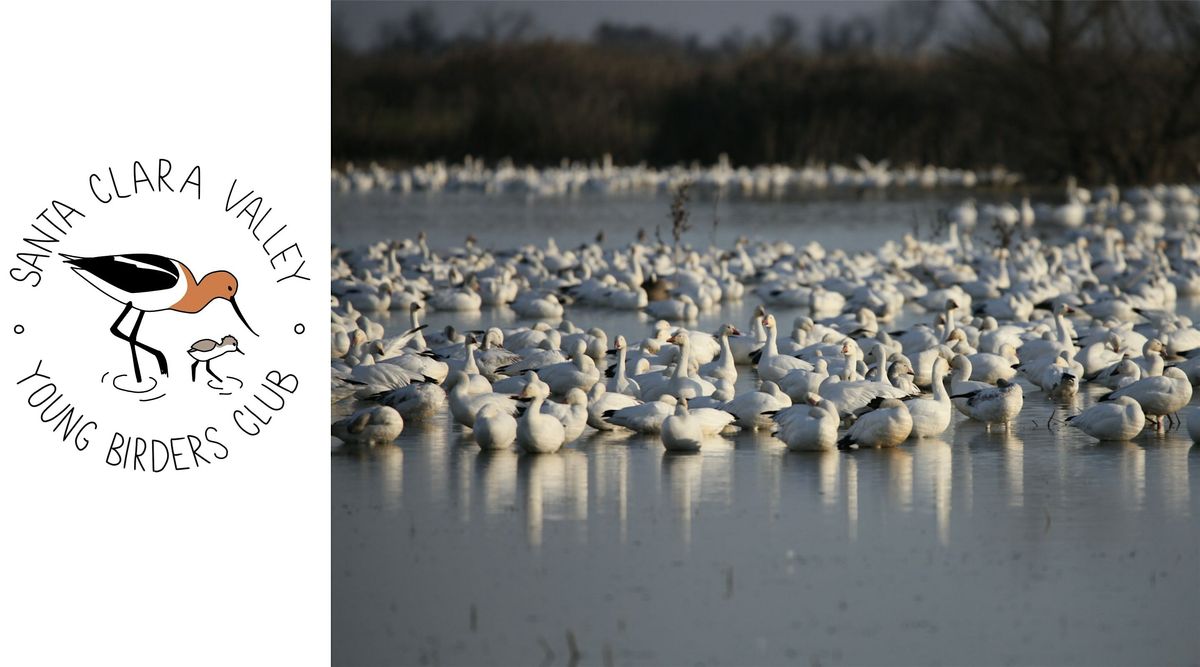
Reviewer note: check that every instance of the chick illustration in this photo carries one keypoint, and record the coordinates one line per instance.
(206, 350)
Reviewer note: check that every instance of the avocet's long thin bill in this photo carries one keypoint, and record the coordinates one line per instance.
(241, 316)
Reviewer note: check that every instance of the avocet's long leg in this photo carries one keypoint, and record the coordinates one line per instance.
(208, 368)
(159, 356)
(116, 331)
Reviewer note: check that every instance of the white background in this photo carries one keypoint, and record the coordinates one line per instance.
(224, 565)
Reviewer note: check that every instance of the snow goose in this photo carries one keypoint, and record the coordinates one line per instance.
(580, 372)
(744, 345)
(887, 426)
(771, 364)
(751, 408)
(573, 414)
(680, 309)
(680, 384)
(808, 427)
(534, 306)
(931, 416)
(1120, 419)
(465, 400)
(681, 432)
(620, 383)
(537, 432)
(988, 367)
(723, 393)
(457, 298)
(494, 429)
(601, 401)
(645, 418)
(1158, 395)
(374, 425)
(419, 400)
(595, 340)
(1122, 373)
(1099, 356)
(799, 383)
(993, 405)
(723, 367)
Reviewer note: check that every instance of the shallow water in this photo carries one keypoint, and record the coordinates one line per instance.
(851, 223)
(1034, 545)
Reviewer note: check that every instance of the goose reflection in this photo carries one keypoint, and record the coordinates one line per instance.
(900, 476)
(852, 498)
(551, 485)
(464, 465)
(935, 472)
(438, 454)
(496, 477)
(716, 453)
(1012, 449)
(610, 479)
(1132, 468)
(383, 462)
(1174, 461)
(683, 472)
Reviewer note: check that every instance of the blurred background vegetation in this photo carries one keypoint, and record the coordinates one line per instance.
(1100, 90)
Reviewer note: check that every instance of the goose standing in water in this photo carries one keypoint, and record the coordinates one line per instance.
(376, 425)
(1119, 419)
(808, 427)
(1159, 395)
(887, 426)
(494, 429)
(745, 345)
(466, 400)
(646, 418)
(601, 401)
(680, 384)
(681, 432)
(723, 367)
(752, 409)
(573, 414)
(419, 400)
(931, 416)
(578, 373)
(538, 432)
(620, 383)
(993, 405)
(772, 365)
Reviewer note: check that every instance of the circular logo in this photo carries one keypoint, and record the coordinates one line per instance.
(156, 319)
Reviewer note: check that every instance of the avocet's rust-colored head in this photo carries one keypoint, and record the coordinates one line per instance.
(216, 285)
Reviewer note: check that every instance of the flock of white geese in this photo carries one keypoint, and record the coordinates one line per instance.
(473, 175)
(1094, 305)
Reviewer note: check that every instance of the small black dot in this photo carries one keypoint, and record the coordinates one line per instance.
(229, 287)
(299, 328)
(19, 329)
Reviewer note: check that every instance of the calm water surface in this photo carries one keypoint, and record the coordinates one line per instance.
(1032, 546)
